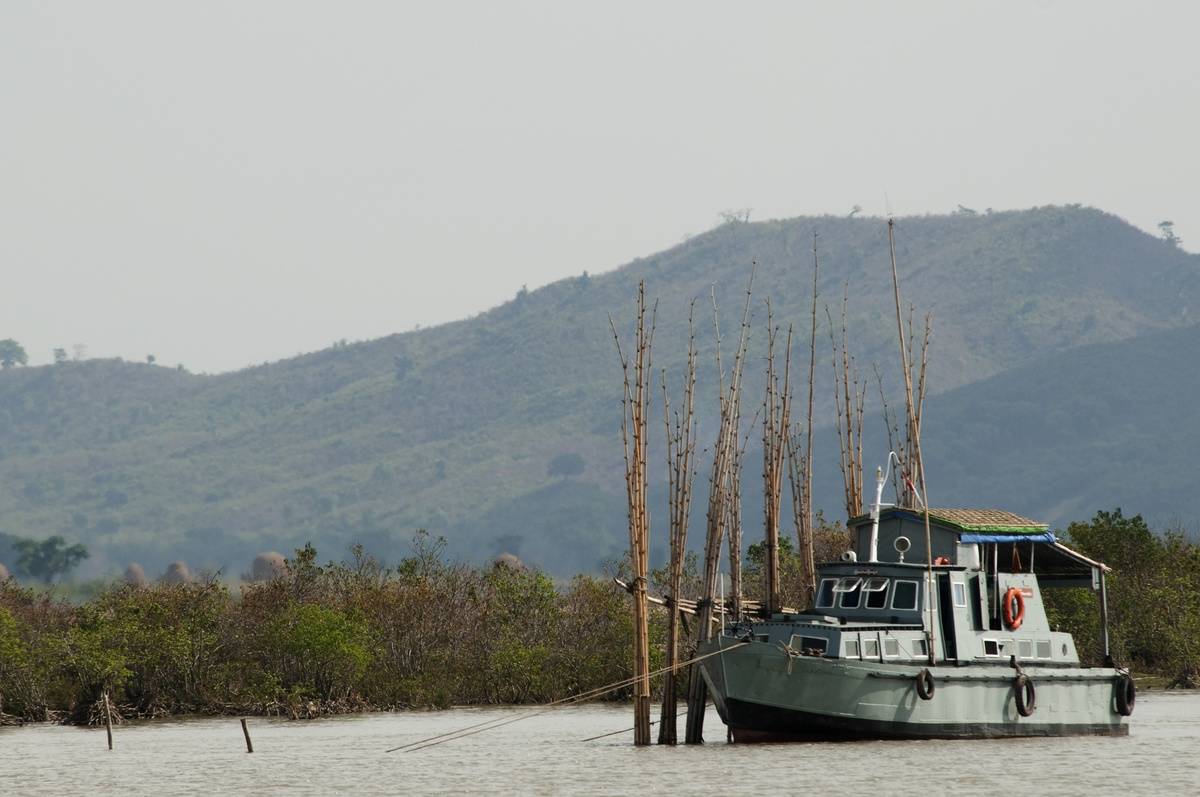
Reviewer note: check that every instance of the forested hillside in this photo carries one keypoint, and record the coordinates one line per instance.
(1060, 361)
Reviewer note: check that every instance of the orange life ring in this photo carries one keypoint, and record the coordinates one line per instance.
(1013, 617)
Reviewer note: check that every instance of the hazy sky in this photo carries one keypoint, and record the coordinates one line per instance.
(223, 183)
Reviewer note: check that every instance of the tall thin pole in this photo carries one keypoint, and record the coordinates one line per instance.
(681, 447)
(807, 556)
(724, 452)
(915, 436)
(633, 427)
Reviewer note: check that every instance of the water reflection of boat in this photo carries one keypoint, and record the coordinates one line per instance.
(953, 643)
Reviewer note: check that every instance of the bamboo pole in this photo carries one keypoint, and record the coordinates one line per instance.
(849, 401)
(633, 428)
(915, 436)
(724, 450)
(800, 463)
(681, 472)
(776, 423)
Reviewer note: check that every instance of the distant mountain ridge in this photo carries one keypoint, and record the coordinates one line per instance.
(452, 428)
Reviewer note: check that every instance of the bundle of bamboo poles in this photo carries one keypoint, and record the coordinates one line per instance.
(799, 462)
(849, 399)
(681, 473)
(633, 429)
(724, 474)
(776, 423)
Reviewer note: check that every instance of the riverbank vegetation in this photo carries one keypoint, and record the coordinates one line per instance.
(353, 635)
(315, 639)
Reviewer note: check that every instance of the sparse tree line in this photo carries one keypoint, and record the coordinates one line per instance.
(312, 639)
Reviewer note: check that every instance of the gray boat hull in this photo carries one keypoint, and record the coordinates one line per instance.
(764, 694)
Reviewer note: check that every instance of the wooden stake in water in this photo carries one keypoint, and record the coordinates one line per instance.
(108, 720)
(246, 733)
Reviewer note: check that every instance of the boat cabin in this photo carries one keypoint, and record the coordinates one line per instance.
(979, 602)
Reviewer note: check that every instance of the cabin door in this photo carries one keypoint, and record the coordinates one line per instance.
(946, 615)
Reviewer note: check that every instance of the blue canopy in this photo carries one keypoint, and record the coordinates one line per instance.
(1044, 537)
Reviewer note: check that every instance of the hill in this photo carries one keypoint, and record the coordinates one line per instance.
(452, 428)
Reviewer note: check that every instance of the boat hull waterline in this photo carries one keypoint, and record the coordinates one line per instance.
(763, 694)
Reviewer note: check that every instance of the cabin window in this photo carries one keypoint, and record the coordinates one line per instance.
(1006, 647)
(1025, 649)
(851, 594)
(1043, 649)
(870, 648)
(876, 589)
(825, 594)
(813, 643)
(991, 647)
(904, 595)
(891, 647)
(919, 649)
(960, 594)
(852, 648)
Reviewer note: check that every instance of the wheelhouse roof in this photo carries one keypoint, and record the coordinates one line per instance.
(965, 520)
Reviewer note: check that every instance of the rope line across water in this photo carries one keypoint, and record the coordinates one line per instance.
(488, 725)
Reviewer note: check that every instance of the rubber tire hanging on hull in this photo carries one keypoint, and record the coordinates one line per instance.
(1026, 695)
(1126, 695)
(925, 687)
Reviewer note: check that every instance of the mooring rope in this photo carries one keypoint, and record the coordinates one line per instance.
(625, 730)
(488, 725)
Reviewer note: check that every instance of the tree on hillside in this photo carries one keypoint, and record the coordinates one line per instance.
(60, 356)
(12, 353)
(49, 558)
(1167, 228)
(566, 466)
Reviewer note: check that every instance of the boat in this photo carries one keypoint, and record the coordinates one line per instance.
(933, 626)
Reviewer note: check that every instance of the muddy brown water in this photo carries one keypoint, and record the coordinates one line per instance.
(546, 755)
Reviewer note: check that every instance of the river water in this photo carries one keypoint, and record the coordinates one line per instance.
(546, 754)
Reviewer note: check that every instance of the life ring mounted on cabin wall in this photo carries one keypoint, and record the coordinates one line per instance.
(1014, 608)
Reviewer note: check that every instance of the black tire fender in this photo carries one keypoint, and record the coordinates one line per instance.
(1026, 695)
(925, 686)
(1126, 694)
